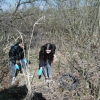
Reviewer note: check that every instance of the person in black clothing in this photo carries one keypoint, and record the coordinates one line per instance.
(16, 54)
(46, 57)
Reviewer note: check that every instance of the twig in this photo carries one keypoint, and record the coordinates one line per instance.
(20, 35)
(98, 98)
(37, 22)
(9, 45)
(1, 38)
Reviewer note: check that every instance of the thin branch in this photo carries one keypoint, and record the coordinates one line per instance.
(20, 35)
(37, 22)
(9, 44)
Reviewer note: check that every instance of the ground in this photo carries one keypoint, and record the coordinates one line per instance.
(67, 83)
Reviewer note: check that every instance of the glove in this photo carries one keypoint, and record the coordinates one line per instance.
(25, 60)
(40, 71)
(17, 67)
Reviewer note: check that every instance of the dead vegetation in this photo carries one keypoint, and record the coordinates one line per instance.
(74, 29)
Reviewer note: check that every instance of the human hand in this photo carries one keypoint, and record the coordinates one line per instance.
(16, 66)
(40, 71)
(55, 59)
(25, 60)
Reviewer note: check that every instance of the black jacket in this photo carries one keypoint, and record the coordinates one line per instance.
(16, 53)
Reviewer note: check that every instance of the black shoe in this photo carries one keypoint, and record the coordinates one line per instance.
(39, 76)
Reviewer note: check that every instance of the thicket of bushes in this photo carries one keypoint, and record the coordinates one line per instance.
(74, 28)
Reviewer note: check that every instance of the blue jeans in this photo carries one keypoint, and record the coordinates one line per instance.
(13, 69)
(47, 70)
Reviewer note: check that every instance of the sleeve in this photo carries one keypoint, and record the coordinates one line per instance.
(41, 63)
(20, 53)
(12, 55)
(13, 61)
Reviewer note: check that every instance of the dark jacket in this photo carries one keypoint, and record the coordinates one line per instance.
(16, 53)
(44, 57)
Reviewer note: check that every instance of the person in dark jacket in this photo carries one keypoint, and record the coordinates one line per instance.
(17, 54)
(46, 57)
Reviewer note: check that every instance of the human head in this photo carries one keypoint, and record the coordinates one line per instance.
(48, 48)
(21, 44)
(19, 40)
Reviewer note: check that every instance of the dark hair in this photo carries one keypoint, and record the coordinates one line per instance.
(19, 40)
(43, 55)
